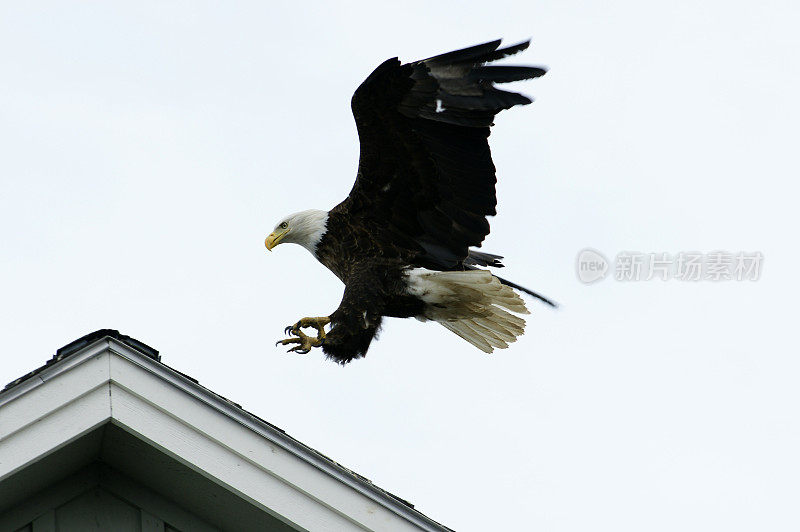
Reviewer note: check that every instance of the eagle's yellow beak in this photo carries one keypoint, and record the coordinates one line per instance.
(274, 239)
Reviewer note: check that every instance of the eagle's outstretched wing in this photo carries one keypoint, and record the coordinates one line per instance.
(425, 170)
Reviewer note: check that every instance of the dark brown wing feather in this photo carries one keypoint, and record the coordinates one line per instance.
(425, 173)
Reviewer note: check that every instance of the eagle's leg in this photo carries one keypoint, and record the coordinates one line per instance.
(306, 342)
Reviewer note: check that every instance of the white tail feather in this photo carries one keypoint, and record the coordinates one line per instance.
(462, 330)
(488, 334)
(472, 304)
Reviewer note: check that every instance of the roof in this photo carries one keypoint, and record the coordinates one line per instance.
(143, 357)
(84, 341)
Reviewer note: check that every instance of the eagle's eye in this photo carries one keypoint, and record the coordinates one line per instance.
(284, 225)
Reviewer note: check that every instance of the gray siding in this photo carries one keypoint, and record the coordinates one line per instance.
(97, 510)
(99, 499)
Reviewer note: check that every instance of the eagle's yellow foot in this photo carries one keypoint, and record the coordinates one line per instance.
(306, 342)
(317, 323)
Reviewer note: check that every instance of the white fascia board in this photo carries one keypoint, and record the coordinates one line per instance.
(48, 434)
(53, 408)
(170, 411)
(19, 406)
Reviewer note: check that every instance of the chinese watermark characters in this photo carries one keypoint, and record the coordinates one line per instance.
(591, 266)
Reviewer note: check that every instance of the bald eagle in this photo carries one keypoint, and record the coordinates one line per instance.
(400, 242)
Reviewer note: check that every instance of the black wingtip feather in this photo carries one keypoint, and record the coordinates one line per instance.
(459, 87)
(464, 55)
(507, 51)
(505, 74)
(480, 53)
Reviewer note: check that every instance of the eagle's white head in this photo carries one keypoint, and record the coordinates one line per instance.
(305, 228)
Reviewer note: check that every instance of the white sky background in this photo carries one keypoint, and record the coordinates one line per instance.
(147, 150)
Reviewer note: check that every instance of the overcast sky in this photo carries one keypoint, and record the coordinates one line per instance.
(147, 150)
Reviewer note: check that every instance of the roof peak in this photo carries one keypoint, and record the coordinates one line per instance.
(76, 345)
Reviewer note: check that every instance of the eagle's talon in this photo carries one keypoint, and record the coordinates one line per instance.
(314, 323)
(306, 342)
